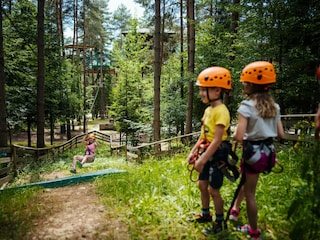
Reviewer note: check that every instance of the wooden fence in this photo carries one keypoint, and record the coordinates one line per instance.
(166, 146)
(12, 157)
(298, 127)
(173, 145)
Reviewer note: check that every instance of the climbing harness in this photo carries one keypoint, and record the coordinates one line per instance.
(228, 168)
(253, 151)
(247, 154)
(202, 145)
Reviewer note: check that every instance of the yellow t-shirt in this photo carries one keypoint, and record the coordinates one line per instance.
(213, 116)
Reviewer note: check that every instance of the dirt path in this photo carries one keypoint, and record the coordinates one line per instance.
(75, 212)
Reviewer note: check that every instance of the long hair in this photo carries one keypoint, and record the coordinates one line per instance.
(264, 102)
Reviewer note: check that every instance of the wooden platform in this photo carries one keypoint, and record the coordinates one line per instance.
(77, 178)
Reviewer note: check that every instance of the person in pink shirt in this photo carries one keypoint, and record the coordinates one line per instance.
(91, 144)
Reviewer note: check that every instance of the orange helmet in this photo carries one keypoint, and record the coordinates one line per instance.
(260, 72)
(215, 77)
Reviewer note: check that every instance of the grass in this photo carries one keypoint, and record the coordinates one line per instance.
(156, 197)
(17, 208)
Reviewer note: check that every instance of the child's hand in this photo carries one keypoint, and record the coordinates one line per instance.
(199, 165)
(192, 158)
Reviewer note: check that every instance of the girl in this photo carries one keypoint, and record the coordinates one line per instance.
(91, 145)
(258, 123)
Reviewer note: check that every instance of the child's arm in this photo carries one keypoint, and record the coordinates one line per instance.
(85, 140)
(214, 145)
(241, 128)
(193, 151)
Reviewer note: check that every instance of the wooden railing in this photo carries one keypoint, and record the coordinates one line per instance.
(5, 165)
(167, 146)
(12, 157)
(294, 132)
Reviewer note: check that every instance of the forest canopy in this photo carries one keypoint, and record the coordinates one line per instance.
(105, 68)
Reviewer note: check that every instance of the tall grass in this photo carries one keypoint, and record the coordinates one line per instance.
(155, 198)
(17, 208)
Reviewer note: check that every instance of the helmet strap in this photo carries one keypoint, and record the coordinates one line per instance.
(212, 100)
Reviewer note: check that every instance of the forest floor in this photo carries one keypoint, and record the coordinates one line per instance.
(75, 212)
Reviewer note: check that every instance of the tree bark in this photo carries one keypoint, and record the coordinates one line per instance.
(157, 73)
(41, 73)
(191, 59)
(181, 125)
(3, 109)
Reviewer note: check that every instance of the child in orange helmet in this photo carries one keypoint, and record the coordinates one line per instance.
(258, 123)
(212, 82)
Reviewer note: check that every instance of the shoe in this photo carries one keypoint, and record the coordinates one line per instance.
(79, 165)
(254, 235)
(216, 228)
(234, 214)
(73, 171)
(199, 218)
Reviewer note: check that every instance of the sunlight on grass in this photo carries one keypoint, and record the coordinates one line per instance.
(16, 210)
(156, 197)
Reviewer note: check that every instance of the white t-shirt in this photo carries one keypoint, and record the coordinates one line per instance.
(258, 128)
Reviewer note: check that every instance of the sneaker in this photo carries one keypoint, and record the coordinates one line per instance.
(216, 228)
(79, 165)
(199, 218)
(73, 171)
(254, 235)
(234, 214)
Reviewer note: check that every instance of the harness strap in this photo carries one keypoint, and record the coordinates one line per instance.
(236, 193)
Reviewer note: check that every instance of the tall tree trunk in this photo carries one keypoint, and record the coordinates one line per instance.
(3, 109)
(75, 30)
(41, 72)
(162, 33)
(59, 24)
(191, 56)
(181, 124)
(157, 73)
(29, 123)
(84, 71)
(101, 85)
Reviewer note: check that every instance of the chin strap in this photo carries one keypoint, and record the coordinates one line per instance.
(211, 100)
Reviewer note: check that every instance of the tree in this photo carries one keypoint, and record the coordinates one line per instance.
(3, 110)
(191, 59)
(40, 78)
(132, 93)
(157, 74)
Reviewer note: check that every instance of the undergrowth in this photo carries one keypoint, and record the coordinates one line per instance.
(156, 197)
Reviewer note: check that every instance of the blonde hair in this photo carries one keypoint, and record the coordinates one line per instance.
(91, 135)
(264, 104)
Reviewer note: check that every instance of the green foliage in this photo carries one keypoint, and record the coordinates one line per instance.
(173, 104)
(131, 102)
(155, 198)
(304, 210)
(16, 210)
